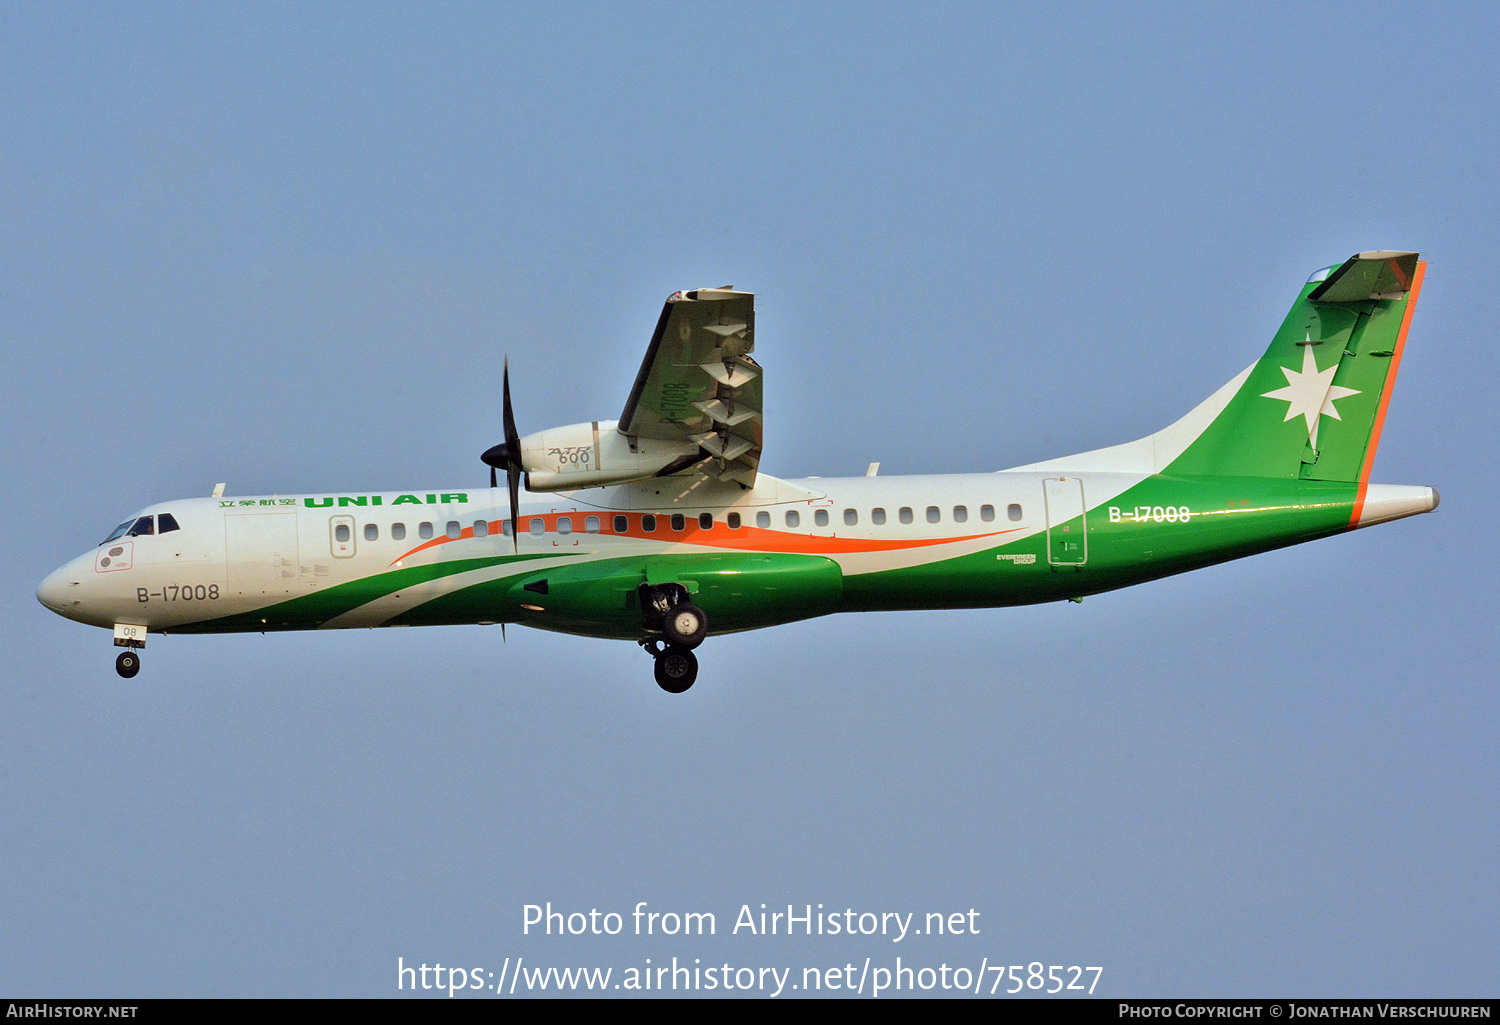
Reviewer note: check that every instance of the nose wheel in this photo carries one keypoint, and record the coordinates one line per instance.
(128, 664)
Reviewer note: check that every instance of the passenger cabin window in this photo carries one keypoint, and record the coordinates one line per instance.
(850, 517)
(877, 516)
(341, 533)
(960, 514)
(987, 513)
(762, 519)
(622, 524)
(678, 523)
(565, 525)
(706, 521)
(1014, 512)
(166, 522)
(905, 514)
(537, 526)
(424, 531)
(591, 524)
(372, 532)
(792, 519)
(481, 528)
(933, 515)
(142, 526)
(820, 517)
(398, 532)
(648, 523)
(733, 519)
(507, 527)
(454, 529)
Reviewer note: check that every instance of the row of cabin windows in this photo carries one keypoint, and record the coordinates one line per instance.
(904, 514)
(678, 522)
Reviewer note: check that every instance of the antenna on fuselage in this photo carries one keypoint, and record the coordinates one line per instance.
(218, 491)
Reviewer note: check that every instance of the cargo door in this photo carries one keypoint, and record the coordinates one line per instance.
(262, 553)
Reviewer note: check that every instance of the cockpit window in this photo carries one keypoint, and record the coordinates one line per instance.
(166, 522)
(117, 532)
(142, 526)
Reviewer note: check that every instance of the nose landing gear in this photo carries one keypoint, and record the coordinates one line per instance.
(129, 636)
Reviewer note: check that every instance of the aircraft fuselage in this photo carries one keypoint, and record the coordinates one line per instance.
(796, 549)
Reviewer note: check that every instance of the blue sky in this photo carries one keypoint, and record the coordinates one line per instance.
(288, 246)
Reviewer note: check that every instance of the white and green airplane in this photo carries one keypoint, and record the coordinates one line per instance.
(659, 527)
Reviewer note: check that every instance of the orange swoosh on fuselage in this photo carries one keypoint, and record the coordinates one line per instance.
(751, 539)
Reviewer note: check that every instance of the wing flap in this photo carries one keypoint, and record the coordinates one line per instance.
(699, 383)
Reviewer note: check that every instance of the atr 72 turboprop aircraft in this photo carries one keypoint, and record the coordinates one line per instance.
(660, 528)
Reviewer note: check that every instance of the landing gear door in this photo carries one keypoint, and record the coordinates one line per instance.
(341, 536)
(1067, 522)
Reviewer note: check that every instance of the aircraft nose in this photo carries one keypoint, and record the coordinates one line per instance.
(53, 591)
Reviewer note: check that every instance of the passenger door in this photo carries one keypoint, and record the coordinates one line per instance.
(341, 536)
(1067, 522)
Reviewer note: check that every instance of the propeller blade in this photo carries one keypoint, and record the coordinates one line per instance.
(513, 480)
(508, 455)
(513, 459)
(512, 436)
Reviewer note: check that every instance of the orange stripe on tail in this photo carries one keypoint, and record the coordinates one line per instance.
(1385, 394)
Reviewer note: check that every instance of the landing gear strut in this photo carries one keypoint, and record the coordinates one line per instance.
(128, 664)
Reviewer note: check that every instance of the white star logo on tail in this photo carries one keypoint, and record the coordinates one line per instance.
(1311, 393)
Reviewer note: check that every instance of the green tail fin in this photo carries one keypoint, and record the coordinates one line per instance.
(1312, 407)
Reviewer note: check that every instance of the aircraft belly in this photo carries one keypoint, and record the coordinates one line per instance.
(600, 597)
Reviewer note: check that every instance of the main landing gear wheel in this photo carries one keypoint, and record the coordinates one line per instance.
(128, 664)
(676, 669)
(685, 625)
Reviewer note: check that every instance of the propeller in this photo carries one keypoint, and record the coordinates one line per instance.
(508, 455)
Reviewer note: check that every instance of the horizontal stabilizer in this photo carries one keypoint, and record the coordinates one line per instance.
(1382, 274)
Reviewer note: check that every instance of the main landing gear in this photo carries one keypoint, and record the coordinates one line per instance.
(682, 626)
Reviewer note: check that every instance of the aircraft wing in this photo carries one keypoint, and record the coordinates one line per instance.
(699, 383)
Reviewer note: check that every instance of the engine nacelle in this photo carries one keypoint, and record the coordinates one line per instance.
(594, 454)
